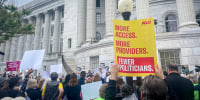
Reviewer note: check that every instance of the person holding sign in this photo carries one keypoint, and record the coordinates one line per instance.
(149, 81)
(12, 90)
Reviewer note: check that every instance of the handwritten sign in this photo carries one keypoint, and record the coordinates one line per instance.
(11, 66)
(135, 47)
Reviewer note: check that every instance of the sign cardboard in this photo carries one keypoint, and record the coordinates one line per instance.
(45, 75)
(91, 90)
(135, 47)
(32, 59)
(11, 66)
(56, 68)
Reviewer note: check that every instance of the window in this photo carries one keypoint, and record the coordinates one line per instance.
(62, 28)
(52, 29)
(98, 36)
(42, 33)
(43, 19)
(117, 3)
(94, 62)
(25, 40)
(171, 23)
(98, 18)
(50, 46)
(69, 43)
(198, 19)
(98, 3)
(62, 12)
(61, 45)
(52, 16)
(32, 44)
(169, 56)
(17, 42)
(44, 68)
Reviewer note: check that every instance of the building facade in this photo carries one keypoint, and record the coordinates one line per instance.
(80, 32)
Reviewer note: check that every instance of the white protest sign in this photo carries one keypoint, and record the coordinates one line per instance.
(56, 68)
(91, 90)
(32, 59)
(96, 70)
(45, 75)
(104, 69)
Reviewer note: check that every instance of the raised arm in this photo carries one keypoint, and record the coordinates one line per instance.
(110, 90)
(23, 88)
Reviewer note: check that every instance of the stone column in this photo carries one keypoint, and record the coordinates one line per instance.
(110, 14)
(20, 48)
(142, 9)
(56, 33)
(2, 49)
(7, 50)
(45, 40)
(37, 32)
(29, 37)
(13, 50)
(81, 22)
(91, 20)
(186, 14)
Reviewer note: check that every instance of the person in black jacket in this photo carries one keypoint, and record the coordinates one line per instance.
(52, 90)
(67, 78)
(179, 87)
(82, 78)
(33, 92)
(110, 90)
(149, 86)
(73, 89)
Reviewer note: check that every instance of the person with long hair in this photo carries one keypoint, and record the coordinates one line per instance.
(96, 77)
(41, 82)
(73, 89)
(67, 78)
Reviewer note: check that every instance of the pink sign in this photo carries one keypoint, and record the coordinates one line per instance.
(11, 66)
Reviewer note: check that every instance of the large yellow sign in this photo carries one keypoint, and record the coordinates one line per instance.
(135, 47)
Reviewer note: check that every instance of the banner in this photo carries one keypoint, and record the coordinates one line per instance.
(11, 66)
(32, 59)
(135, 47)
(56, 68)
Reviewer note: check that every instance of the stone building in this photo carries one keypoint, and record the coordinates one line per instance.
(78, 33)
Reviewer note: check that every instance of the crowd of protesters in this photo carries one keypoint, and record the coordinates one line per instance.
(169, 85)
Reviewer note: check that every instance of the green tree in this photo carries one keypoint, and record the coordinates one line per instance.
(11, 22)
